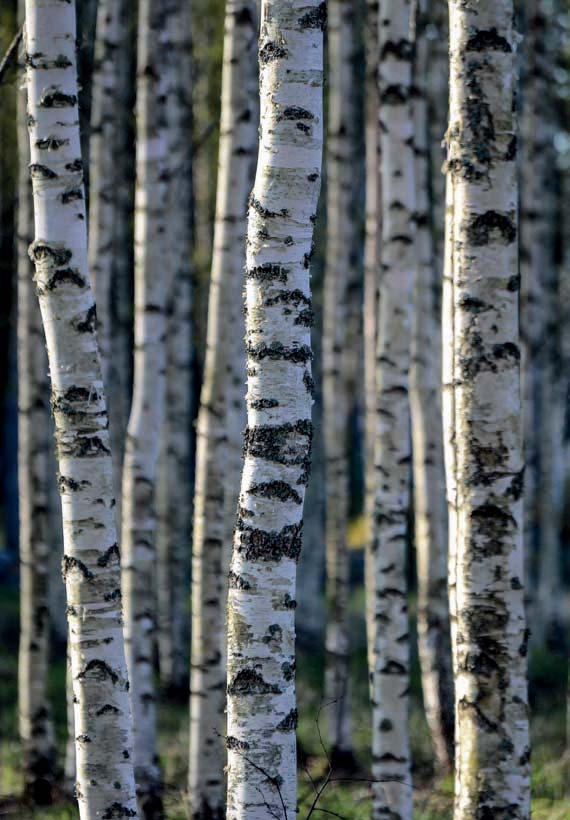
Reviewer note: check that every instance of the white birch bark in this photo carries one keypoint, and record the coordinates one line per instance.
(34, 446)
(141, 451)
(372, 239)
(69, 765)
(490, 638)
(337, 398)
(104, 211)
(392, 795)
(174, 491)
(217, 485)
(434, 642)
(262, 713)
(105, 784)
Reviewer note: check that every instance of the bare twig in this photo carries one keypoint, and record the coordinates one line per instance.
(11, 53)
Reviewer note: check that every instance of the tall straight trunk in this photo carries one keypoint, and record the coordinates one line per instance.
(105, 783)
(336, 368)
(427, 442)
(217, 484)
(262, 713)
(489, 636)
(141, 452)
(104, 211)
(388, 590)
(69, 765)
(34, 445)
(372, 239)
(174, 490)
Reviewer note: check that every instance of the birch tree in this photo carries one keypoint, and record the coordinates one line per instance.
(336, 368)
(481, 330)
(262, 714)
(105, 213)
(427, 441)
(34, 442)
(174, 491)
(217, 484)
(141, 452)
(105, 783)
(388, 590)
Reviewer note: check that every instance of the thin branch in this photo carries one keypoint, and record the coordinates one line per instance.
(11, 53)
(334, 814)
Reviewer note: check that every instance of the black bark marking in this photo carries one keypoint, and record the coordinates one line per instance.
(481, 227)
(277, 351)
(250, 682)
(54, 97)
(232, 743)
(99, 670)
(495, 525)
(269, 545)
(63, 276)
(401, 49)
(276, 489)
(116, 811)
(76, 165)
(288, 670)
(112, 553)
(70, 562)
(263, 404)
(108, 709)
(50, 143)
(89, 324)
(289, 723)
(237, 582)
(66, 483)
(288, 297)
(294, 112)
(488, 39)
(272, 51)
(38, 171)
(268, 273)
(316, 18)
(73, 195)
(280, 443)
(59, 255)
(265, 212)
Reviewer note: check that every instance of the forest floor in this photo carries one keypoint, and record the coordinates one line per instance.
(349, 799)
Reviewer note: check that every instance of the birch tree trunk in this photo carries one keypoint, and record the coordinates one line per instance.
(372, 240)
(262, 713)
(141, 452)
(217, 484)
(392, 795)
(427, 442)
(174, 490)
(34, 444)
(104, 211)
(105, 784)
(490, 638)
(336, 375)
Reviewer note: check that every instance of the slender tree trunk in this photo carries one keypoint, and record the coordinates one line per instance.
(141, 452)
(392, 793)
(489, 637)
(336, 371)
(174, 490)
(427, 442)
(372, 241)
(34, 445)
(104, 211)
(70, 768)
(217, 484)
(262, 713)
(105, 784)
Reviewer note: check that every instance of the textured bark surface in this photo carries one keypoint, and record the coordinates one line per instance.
(34, 478)
(262, 714)
(392, 795)
(430, 513)
(489, 634)
(217, 482)
(105, 783)
(141, 452)
(174, 491)
(337, 370)
(105, 213)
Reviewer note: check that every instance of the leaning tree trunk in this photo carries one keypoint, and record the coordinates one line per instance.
(105, 213)
(262, 713)
(141, 452)
(427, 442)
(489, 637)
(105, 783)
(34, 445)
(217, 485)
(174, 490)
(390, 631)
(340, 259)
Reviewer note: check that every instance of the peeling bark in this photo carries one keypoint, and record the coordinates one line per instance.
(141, 452)
(221, 402)
(261, 636)
(486, 563)
(390, 650)
(103, 743)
